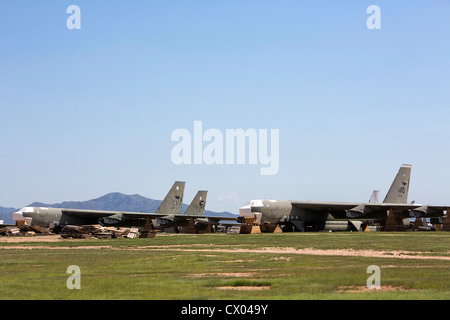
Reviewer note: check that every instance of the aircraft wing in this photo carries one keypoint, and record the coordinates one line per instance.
(143, 215)
(209, 217)
(175, 216)
(323, 205)
(83, 213)
(407, 210)
(205, 218)
(355, 209)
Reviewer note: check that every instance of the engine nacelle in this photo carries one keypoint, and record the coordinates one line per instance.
(425, 211)
(342, 225)
(356, 212)
(113, 219)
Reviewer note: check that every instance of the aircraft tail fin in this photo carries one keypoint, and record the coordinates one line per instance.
(173, 200)
(197, 206)
(374, 196)
(398, 193)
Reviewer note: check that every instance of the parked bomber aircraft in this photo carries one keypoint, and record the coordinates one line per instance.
(168, 214)
(340, 216)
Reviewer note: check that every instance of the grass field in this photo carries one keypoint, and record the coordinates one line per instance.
(413, 265)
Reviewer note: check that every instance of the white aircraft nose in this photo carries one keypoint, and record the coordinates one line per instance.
(246, 211)
(19, 215)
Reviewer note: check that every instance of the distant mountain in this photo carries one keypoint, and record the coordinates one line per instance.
(112, 201)
(116, 201)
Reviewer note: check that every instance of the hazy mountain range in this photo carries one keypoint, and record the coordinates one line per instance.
(114, 201)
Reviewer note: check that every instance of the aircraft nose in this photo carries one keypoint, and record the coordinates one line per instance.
(245, 211)
(252, 209)
(23, 214)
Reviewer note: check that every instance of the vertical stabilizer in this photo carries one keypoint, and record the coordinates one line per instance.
(197, 206)
(173, 200)
(398, 193)
(374, 196)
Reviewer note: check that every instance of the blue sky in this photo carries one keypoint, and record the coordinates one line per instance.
(90, 111)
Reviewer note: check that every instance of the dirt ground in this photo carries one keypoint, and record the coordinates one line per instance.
(17, 239)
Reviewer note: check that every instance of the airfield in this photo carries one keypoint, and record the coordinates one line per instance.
(283, 266)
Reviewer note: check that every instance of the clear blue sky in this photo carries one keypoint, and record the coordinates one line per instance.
(91, 111)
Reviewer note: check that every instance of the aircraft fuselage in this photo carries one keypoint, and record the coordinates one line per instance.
(321, 215)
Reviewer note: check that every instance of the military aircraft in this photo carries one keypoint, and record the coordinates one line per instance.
(341, 216)
(168, 214)
(194, 218)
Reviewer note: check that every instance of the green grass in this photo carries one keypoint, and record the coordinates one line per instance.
(134, 269)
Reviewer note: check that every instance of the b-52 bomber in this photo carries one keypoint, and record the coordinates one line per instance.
(167, 217)
(342, 216)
